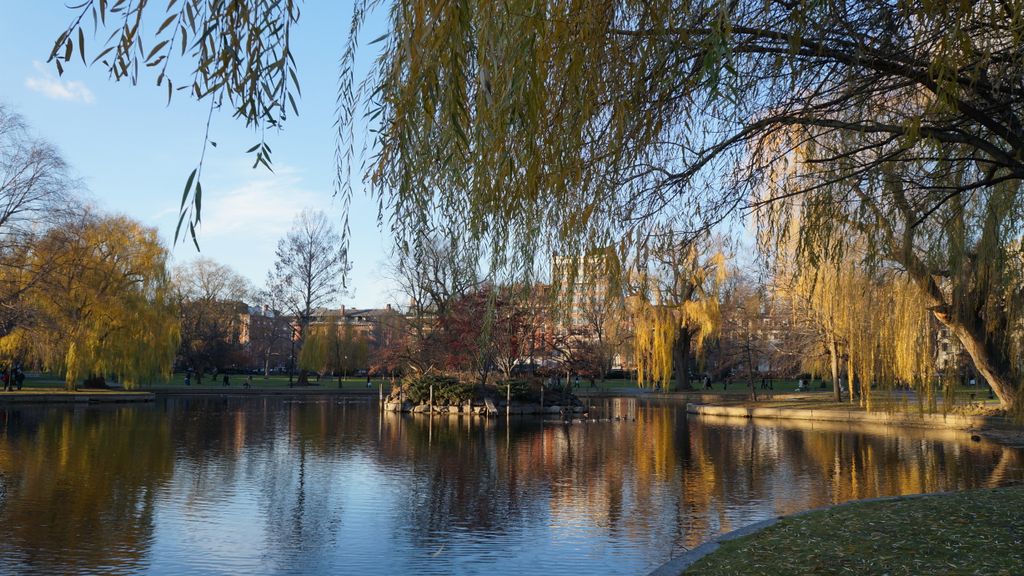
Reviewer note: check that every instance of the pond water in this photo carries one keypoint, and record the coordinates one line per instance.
(331, 486)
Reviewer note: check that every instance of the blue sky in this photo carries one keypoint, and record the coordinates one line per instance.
(133, 153)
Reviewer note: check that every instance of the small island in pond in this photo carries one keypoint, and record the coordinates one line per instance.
(448, 395)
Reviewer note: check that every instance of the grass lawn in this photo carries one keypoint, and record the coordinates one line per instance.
(54, 390)
(258, 381)
(736, 391)
(53, 383)
(974, 532)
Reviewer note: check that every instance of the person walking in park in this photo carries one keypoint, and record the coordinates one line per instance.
(19, 377)
(248, 381)
(226, 381)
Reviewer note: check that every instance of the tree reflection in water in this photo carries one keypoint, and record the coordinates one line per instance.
(271, 485)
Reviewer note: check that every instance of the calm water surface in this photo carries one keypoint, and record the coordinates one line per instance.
(235, 485)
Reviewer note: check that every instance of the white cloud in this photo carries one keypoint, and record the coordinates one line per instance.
(54, 88)
(259, 207)
(242, 224)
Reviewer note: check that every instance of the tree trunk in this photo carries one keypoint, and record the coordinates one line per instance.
(850, 375)
(990, 361)
(750, 369)
(833, 358)
(681, 359)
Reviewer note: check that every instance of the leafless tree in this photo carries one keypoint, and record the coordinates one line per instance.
(310, 268)
(211, 299)
(34, 182)
(36, 191)
(270, 330)
(429, 278)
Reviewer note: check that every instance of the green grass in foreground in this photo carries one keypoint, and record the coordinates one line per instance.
(974, 532)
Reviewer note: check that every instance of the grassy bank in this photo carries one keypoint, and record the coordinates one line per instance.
(974, 532)
(51, 382)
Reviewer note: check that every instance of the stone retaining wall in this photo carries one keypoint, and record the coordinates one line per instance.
(950, 421)
(74, 397)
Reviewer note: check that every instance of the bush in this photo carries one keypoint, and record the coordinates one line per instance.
(455, 393)
(520, 389)
(447, 390)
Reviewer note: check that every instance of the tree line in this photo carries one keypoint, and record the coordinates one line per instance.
(875, 148)
(90, 295)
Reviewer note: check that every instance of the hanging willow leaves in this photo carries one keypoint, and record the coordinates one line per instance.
(674, 304)
(238, 55)
(845, 231)
(103, 305)
(568, 126)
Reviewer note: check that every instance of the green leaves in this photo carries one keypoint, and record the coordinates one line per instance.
(239, 54)
(182, 210)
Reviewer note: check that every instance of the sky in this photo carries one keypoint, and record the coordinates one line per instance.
(133, 153)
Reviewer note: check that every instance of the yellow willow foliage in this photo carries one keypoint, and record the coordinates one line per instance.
(879, 322)
(656, 328)
(909, 330)
(314, 354)
(103, 305)
(686, 306)
(14, 344)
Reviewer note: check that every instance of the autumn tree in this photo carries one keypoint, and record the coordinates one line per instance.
(466, 335)
(211, 300)
(348, 350)
(872, 322)
(334, 346)
(433, 277)
(674, 302)
(36, 192)
(563, 126)
(390, 346)
(103, 306)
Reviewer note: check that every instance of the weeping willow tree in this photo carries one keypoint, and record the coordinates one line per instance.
(674, 305)
(333, 346)
(569, 124)
(872, 324)
(846, 217)
(101, 303)
(314, 354)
